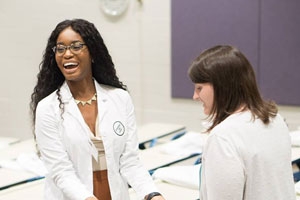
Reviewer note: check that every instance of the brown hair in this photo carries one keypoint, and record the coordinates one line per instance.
(234, 83)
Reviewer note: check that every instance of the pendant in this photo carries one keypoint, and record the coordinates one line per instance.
(94, 98)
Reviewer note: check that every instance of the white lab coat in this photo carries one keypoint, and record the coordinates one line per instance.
(66, 148)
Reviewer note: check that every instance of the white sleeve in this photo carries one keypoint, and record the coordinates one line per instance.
(130, 164)
(223, 172)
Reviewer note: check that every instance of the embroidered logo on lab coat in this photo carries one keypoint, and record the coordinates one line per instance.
(119, 128)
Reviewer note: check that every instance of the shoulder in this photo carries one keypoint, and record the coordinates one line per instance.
(49, 103)
(278, 119)
(235, 121)
(235, 126)
(115, 97)
(113, 92)
(243, 126)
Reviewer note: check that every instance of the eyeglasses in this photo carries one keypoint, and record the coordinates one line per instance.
(75, 48)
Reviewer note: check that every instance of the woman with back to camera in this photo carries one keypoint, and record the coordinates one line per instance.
(248, 152)
(84, 121)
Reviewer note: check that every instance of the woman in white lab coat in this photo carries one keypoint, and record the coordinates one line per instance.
(84, 121)
(247, 155)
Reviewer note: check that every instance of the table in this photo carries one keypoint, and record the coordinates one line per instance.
(150, 131)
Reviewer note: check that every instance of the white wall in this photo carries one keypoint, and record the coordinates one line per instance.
(139, 43)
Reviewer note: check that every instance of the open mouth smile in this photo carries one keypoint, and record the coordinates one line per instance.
(70, 65)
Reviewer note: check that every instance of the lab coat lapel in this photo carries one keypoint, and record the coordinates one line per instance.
(102, 100)
(72, 109)
(70, 105)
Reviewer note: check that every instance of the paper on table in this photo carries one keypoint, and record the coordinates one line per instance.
(26, 161)
(188, 144)
(185, 176)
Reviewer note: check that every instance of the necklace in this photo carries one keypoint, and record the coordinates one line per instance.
(94, 98)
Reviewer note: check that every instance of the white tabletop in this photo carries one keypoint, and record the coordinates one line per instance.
(10, 177)
(18, 147)
(32, 190)
(151, 131)
(153, 158)
(6, 141)
(13, 176)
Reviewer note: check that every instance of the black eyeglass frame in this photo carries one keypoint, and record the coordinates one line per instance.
(79, 45)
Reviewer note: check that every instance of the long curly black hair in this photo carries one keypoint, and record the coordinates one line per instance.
(50, 77)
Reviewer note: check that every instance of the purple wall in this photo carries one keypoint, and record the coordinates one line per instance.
(266, 31)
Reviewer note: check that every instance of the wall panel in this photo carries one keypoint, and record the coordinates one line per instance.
(266, 31)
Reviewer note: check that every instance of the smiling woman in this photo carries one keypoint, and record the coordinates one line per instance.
(73, 59)
(84, 120)
(245, 131)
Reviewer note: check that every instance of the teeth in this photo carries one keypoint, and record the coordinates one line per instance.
(70, 64)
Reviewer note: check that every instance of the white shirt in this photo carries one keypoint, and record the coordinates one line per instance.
(247, 160)
(67, 150)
